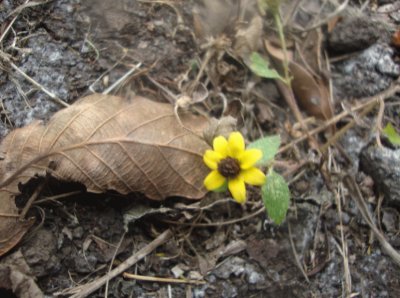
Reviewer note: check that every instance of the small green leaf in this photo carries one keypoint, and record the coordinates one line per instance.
(269, 146)
(276, 196)
(260, 67)
(194, 66)
(391, 134)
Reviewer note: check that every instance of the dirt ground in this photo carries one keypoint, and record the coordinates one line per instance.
(325, 247)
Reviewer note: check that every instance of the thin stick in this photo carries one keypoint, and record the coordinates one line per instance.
(85, 290)
(362, 206)
(349, 125)
(296, 256)
(57, 197)
(217, 224)
(20, 8)
(368, 101)
(91, 87)
(54, 97)
(172, 98)
(121, 79)
(344, 250)
(9, 215)
(112, 262)
(325, 126)
(378, 124)
(341, 8)
(33, 197)
(10, 25)
(163, 279)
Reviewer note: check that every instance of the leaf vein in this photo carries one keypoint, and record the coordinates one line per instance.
(140, 169)
(93, 181)
(110, 168)
(174, 170)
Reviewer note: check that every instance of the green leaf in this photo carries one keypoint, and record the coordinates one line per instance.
(194, 66)
(276, 196)
(269, 146)
(260, 67)
(391, 134)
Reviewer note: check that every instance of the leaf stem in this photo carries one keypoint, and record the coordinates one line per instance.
(278, 22)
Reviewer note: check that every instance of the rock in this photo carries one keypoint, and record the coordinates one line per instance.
(237, 266)
(40, 253)
(383, 165)
(356, 34)
(365, 74)
(85, 263)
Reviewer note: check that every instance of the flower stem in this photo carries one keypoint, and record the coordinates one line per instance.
(279, 26)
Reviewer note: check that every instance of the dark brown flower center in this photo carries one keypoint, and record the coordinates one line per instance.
(229, 167)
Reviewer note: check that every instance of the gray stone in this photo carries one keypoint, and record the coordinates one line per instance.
(383, 165)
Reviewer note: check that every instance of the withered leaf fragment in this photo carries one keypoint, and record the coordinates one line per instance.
(106, 143)
(311, 93)
(234, 25)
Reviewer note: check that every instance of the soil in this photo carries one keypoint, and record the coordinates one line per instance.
(73, 48)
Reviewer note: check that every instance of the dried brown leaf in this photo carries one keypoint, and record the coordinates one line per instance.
(106, 143)
(15, 276)
(248, 37)
(311, 93)
(238, 20)
(212, 18)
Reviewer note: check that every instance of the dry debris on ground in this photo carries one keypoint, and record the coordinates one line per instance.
(342, 233)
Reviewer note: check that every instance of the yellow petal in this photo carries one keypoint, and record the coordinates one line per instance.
(253, 176)
(211, 159)
(238, 189)
(236, 144)
(214, 180)
(249, 158)
(220, 145)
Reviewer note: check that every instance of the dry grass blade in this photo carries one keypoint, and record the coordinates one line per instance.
(337, 12)
(357, 196)
(296, 256)
(8, 28)
(166, 280)
(344, 248)
(366, 106)
(85, 290)
(51, 94)
(122, 79)
(27, 4)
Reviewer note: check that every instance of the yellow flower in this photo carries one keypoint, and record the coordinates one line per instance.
(231, 162)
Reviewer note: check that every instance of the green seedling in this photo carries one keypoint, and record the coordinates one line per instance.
(393, 136)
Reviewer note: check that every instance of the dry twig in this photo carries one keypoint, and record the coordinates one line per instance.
(162, 279)
(296, 256)
(344, 249)
(51, 94)
(367, 106)
(362, 206)
(112, 262)
(122, 79)
(85, 290)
